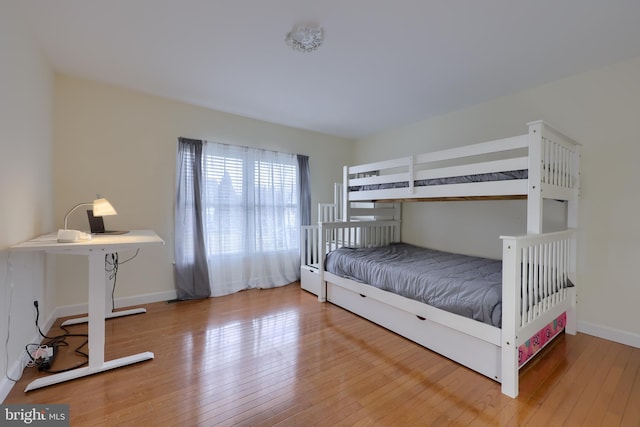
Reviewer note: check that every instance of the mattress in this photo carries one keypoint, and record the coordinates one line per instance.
(464, 285)
(483, 177)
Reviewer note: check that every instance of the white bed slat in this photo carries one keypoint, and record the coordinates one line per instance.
(326, 212)
(380, 179)
(504, 144)
(385, 164)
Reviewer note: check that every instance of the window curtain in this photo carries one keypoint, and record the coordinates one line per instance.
(191, 268)
(251, 204)
(304, 184)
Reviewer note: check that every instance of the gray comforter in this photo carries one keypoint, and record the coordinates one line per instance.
(460, 284)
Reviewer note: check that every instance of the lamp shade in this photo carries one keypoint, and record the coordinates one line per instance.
(102, 207)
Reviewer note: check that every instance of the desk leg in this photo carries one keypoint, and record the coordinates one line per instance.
(96, 332)
(108, 313)
(97, 284)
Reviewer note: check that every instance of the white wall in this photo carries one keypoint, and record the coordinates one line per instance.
(600, 109)
(26, 145)
(122, 144)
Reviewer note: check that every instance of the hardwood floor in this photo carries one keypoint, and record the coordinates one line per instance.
(278, 357)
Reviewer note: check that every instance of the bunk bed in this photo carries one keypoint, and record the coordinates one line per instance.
(534, 282)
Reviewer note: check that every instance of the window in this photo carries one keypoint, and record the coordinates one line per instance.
(251, 204)
(238, 217)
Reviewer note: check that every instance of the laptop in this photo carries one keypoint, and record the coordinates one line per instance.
(96, 224)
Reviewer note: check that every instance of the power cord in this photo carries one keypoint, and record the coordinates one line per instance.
(111, 266)
(44, 354)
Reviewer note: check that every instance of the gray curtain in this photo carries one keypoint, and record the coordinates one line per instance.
(305, 189)
(191, 270)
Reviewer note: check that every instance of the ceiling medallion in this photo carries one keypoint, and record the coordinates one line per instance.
(305, 39)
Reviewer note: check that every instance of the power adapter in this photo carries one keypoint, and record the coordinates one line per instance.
(45, 358)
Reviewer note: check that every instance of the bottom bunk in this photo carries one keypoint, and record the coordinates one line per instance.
(480, 351)
(537, 301)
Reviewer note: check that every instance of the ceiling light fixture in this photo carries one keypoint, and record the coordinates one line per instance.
(305, 39)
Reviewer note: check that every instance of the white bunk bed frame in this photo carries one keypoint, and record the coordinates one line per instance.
(535, 266)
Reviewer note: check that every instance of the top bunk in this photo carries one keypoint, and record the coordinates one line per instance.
(541, 164)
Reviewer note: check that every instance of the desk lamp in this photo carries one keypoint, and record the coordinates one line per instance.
(101, 207)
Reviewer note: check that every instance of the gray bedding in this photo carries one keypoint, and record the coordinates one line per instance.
(464, 285)
(484, 177)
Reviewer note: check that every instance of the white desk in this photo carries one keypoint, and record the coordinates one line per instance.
(95, 250)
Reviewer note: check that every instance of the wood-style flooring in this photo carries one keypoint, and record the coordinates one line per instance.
(279, 357)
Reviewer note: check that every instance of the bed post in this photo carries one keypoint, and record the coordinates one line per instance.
(510, 316)
(345, 194)
(322, 253)
(534, 199)
(337, 200)
(572, 222)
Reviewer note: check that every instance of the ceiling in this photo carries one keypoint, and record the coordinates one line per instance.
(383, 63)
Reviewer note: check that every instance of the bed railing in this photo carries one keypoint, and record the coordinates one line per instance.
(355, 234)
(557, 163)
(358, 234)
(554, 164)
(317, 240)
(551, 158)
(310, 246)
(538, 273)
(540, 268)
(334, 212)
(373, 180)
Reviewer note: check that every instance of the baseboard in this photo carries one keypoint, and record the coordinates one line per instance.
(5, 384)
(611, 334)
(15, 371)
(76, 309)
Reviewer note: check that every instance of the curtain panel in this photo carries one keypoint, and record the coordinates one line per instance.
(191, 268)
(304, 184)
